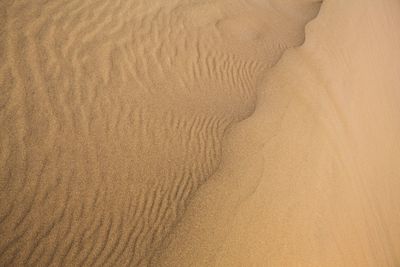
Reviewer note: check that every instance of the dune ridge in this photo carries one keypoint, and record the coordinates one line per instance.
(199, 133)
(113, 114)
(199, 235)
(312, 177)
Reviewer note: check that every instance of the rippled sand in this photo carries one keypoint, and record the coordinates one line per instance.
(173, 133)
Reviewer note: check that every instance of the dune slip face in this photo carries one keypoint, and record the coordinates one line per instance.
(113, 113)
(312, 177)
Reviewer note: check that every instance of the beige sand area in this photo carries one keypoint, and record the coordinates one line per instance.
(312, 178)
(150, 132)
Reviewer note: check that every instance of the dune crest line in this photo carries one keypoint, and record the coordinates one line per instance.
(312, 177)
(112, 115)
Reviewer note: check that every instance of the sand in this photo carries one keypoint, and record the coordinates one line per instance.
(199, 133)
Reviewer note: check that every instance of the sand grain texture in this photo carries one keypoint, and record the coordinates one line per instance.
(312, 178)
(199, 133)
(112, 115)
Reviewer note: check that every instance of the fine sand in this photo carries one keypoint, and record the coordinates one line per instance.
(199, 133)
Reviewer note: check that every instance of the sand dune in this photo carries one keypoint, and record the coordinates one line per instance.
(312, 177)
(137, 133)
(113, 113)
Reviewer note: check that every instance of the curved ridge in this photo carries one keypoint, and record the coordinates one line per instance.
(180, 238)
(112, 116)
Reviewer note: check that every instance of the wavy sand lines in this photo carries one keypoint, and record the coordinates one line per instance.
(112, 116)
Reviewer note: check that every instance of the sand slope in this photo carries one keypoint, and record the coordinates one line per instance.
(112, 115)
(137, 133)
(312, 178)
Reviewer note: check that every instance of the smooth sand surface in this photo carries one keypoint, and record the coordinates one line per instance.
(174, 133)
(312, 178)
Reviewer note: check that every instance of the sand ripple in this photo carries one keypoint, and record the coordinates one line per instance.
(112, 115)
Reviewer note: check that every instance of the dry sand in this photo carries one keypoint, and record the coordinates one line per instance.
(312, 178)
(137, 133)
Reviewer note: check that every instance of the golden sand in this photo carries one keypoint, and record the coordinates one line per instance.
(174, 133)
